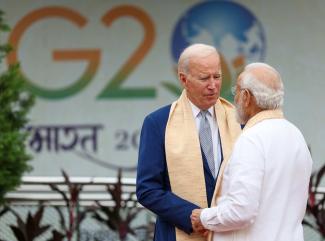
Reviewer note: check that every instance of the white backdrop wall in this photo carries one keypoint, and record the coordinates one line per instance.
(84, 120)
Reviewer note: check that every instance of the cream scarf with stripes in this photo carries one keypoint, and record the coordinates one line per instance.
(183, 152)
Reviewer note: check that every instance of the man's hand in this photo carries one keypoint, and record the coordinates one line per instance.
(196, 223)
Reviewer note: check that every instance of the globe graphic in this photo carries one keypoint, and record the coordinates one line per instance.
(230, 27)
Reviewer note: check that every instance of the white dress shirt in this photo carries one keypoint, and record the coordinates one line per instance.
(214, 131)
(265, 186)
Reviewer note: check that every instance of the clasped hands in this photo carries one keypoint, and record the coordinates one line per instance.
(196, 223)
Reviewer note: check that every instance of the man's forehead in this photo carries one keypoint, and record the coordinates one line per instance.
(199, 59)
(201, 66)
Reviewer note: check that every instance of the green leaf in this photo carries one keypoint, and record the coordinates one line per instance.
(15, 106)
(173, 88)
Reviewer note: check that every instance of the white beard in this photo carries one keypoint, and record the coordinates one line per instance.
(240, 113)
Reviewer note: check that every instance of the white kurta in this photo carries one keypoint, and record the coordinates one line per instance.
(265, 186)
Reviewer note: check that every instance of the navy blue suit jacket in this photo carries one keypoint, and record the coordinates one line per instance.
(153, 186)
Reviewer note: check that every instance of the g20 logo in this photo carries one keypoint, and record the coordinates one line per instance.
(229, 26)
(113, 89)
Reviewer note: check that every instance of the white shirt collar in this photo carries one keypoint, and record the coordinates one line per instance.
(196, 110)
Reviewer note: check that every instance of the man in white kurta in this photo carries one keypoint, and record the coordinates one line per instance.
(264, 189)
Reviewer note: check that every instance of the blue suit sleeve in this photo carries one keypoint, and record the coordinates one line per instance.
(153, 188)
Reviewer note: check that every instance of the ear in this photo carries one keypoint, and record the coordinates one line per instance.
(247, 98)
(182, 78)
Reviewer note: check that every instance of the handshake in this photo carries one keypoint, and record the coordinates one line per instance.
(196, 223)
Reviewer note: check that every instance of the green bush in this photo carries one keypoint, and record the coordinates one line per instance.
(15, 102)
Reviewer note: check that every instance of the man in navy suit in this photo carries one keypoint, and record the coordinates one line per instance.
(199, 71)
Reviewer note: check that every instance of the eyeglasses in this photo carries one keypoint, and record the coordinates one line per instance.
(234, 90)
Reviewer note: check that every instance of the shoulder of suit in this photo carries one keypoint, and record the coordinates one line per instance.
(161, 113)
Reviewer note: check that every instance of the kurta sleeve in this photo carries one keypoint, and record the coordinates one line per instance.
(243, 178)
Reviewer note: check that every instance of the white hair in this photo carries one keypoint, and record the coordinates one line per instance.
(267, 96)
(194, 50)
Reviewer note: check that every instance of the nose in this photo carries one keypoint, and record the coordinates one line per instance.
(212, 83)
(211, 86)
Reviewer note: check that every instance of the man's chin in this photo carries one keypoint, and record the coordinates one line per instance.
(239, 120)
(212, 99)
(211, 103)
(240, 117)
